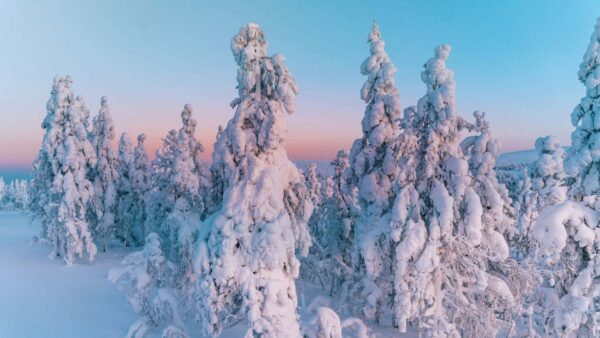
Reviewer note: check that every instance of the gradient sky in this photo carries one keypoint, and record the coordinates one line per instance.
(517, 60)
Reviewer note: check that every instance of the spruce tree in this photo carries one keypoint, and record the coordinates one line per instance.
(246, 255)
(62, 192)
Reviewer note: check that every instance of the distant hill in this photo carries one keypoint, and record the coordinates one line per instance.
(516, 157)
(324, 167)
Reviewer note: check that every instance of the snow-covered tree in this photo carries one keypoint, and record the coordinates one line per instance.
(2, 192)
(105, 175)
(324, 263)
(217, 174)
(568, 232)
(482, 150)
(178, 178)
(15, 195)
(547, 172)
(541, 185)
(139, 177)
(373, 170)
(246, 254)
(313, 184)
(62, 190)
(345, 196)
(124, 214)
(160, 177)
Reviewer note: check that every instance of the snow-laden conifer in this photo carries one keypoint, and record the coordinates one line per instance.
(568, 232)
(246, 254)
(105, 175)
(139, 177)
(180, 182)
(62, 190)
(313, 184)
(542, 184)
(373, 169)
(124, 217)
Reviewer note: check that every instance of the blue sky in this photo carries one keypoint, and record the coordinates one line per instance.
(517, 60)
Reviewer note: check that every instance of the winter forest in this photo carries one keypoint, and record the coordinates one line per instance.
(413, 230)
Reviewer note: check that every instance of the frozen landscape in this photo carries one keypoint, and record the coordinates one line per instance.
(422, 226)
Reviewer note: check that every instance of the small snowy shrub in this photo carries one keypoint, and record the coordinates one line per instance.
(146, 274)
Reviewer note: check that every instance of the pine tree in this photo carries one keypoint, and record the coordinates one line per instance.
(62, 190)
(246, 259)
(106, 175)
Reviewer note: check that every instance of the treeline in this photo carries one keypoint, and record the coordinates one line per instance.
(415, 229)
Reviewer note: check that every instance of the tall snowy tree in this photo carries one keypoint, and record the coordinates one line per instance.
(105, 175)
(139, 176)
(246, 255)
(373, 170)
(176, 204)
(62, 190)
(178, 178)
(568, 232)
(124, 214)
(482, 150)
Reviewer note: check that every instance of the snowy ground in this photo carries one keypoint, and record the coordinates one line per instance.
(45, 298)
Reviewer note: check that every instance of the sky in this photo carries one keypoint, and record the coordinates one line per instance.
(517, 60)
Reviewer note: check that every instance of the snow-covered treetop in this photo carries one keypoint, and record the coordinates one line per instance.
(373, 157)
(439, 102)
(62, 98)
(186, 161)
(264, 76)
(141, 164)
(589, 73)
(313, 184)
(125, 149)
(380, 92)
(550, 157)
(436, 114)
(249, 44)
(103, 124)
(583, 161)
